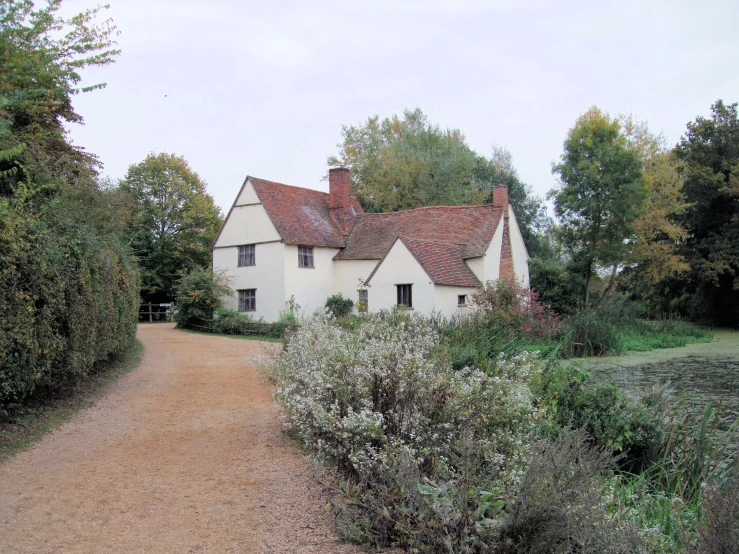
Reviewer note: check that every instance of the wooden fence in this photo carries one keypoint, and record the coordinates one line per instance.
(155, 312)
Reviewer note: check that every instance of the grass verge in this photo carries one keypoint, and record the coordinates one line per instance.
(245, 337)
(35, 420)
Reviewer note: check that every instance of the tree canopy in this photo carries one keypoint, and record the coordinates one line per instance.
(709, 165)
(401, 163)
(601, 194)
(174, 222)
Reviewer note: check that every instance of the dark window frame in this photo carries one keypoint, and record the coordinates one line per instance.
(247, 300)
(461, 300)
(247, 255)
(405, 295)
(305, 256)
(363, 297)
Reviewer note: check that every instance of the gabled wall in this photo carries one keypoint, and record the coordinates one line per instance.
(400, 267)
(247, 222)
(491, 264)
(518, 250)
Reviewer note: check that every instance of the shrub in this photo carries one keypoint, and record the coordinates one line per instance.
(230, 322)
(508, 305)
(199, 295)
(563, 503)
(589, 334)
(611, 419)
(401, 425)
(719, 533)
(68, 299)
(339, 306)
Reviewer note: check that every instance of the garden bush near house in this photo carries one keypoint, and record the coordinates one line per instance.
(374, 401)
(339, 306)
(199, 295)
(230, 322)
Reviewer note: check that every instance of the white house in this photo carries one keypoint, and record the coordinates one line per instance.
(280, 242)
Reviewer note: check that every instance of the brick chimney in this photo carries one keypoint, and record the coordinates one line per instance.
(338, 198)
(338, 187)
(500, 198)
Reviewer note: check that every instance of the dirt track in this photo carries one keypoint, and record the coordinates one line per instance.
(183, 454)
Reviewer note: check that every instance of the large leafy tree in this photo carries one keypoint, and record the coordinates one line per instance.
(400, 163)
(41, 55)
(601, 194)
(709, 156)
(655, 257)
(174, 222)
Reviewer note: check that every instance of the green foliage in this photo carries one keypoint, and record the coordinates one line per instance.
(174, 222)
(339, 306)
(709, 157)
(68, 285)
(230, 322)
(612, 420)
(68, 299)
(42, 55)
(601, 195)
(558, 285)
(200, 293)
(404, 163)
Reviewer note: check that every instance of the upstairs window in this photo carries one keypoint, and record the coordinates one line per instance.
(405, 296)
(461, 300)
(248, 300)
(305, 256)
(247, 255)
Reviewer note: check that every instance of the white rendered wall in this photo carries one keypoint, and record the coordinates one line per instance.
(247, 224)
(347, 274)
(492, 256)
(477, 265)
(267, 276)
(310, 285)
(400, 268)
(248, 195)
(518, 251)
(446, 298)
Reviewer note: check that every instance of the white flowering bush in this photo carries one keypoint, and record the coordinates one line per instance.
(376, 398)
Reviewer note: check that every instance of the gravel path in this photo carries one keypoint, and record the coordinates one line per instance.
(183, 454)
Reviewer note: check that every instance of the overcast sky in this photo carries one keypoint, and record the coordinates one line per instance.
(263, 87)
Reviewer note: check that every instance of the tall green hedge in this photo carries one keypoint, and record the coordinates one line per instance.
(68, 299)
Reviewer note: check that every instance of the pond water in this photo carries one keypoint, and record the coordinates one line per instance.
(698, 373)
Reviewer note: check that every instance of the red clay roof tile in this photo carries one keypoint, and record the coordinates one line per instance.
(300, 215)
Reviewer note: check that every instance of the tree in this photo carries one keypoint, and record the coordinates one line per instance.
(41, 55)
(404, 163)
(709, 156)
(174, 222)
(655, 257)
(601, 194)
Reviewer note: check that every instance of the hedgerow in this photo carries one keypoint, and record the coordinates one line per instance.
(68, 299)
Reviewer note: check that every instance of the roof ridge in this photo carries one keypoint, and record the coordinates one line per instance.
(465, 206)
(267, 181)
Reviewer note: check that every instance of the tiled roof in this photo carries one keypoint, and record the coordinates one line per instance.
(472, 227)
(442, 261)
(300, 215)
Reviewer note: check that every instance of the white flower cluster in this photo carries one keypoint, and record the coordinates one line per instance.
(358, 397)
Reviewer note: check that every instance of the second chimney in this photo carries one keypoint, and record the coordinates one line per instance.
(338, 188)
